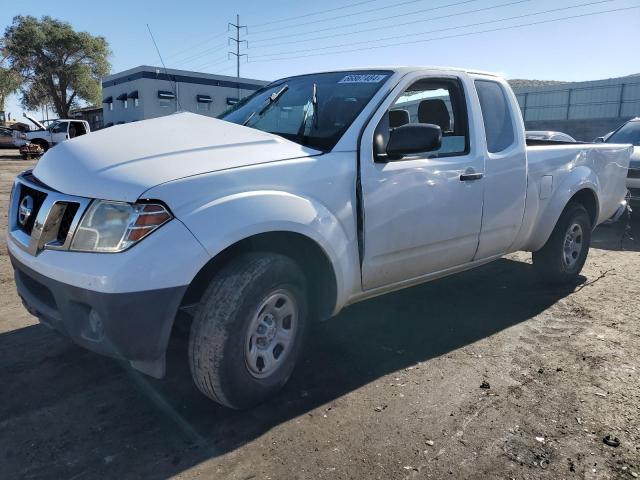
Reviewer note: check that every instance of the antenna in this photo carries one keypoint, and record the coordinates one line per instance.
(175, 84)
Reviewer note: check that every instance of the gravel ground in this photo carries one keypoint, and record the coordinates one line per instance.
(391, 388)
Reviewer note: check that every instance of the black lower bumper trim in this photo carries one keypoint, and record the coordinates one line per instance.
(133, 326)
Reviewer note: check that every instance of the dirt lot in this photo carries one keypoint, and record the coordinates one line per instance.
(389, 389)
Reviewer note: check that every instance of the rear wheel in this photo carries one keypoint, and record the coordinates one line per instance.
(563, 256)
(248, 331)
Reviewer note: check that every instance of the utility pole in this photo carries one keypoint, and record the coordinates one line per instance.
(237, 41)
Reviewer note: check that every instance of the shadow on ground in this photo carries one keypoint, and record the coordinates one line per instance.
(623, 235)
(67, 412)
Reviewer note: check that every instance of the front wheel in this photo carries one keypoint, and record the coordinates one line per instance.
(563, 256)
(249, 329)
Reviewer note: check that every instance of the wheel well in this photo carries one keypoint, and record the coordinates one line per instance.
(587, 198)
(40, 141)
(305, 252)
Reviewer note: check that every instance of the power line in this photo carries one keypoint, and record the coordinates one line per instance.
(346, 15)
(353, 24)
(497, 29)
(394, 37)
(320, 12)
(189, 49)
(201, 54)
(422, 21)
(175, 85)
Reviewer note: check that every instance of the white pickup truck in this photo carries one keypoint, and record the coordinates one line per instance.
(57, 131)
(316, 192)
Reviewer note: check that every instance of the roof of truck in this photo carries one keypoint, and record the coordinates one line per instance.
(408, 69)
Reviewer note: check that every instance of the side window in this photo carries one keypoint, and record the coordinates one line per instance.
(61, 127)
(496, 116)
(439, 102)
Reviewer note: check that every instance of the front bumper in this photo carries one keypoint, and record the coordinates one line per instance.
(134, 326)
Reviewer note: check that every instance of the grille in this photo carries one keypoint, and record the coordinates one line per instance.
(634, 173)
(635, 193)
(38, 199)
(67, 220)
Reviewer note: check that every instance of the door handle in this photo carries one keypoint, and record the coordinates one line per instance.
(470, 176)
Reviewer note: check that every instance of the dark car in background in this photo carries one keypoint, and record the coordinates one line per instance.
(630, 133)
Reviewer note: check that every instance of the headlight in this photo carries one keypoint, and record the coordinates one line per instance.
(111, 227)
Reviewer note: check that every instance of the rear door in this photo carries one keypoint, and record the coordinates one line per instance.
(422, 214)
(505, 167)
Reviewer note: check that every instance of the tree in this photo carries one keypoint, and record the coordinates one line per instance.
(56, 62)
(9, 79)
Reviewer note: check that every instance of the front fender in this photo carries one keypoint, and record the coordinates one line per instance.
(549, 210)
(230, 219)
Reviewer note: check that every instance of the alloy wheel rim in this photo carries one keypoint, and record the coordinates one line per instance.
(271, 334)
(572, 247)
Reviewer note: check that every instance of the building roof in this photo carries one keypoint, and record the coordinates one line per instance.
(183, 76)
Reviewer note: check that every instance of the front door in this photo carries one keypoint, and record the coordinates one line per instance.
(59, 132)
(422, 213)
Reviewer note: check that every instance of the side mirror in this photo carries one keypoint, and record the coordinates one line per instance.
(599, 140)
(413, 138)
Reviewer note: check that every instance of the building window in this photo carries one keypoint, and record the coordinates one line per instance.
(231, 101)
(165, 98)
(123, 98)
(203, 103)
(109, 102)
(134, 95)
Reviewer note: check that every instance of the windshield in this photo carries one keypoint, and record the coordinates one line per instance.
(628, 133)
(313, 110)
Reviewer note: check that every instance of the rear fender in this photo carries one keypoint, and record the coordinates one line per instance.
(579, 178)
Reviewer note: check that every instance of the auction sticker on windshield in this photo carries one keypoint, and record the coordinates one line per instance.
(363, 78)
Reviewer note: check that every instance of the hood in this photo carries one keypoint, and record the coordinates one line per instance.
(123, 161)
(34, 121)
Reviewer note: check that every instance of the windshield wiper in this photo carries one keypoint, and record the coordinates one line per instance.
(273, 98)
(314, 103)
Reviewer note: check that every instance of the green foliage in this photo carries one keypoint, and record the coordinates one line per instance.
(9, 82)
(58, 65)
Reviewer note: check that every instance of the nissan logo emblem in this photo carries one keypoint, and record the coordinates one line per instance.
(25, 210)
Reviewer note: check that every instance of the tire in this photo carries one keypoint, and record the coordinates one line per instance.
(43, 143)
(230, 341)
(557, 264)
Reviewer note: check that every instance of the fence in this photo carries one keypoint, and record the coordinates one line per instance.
(605, 99)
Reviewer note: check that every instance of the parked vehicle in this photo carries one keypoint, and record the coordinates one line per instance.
(314, 193)
(629, 132)
(10, 138)
(56, 132)
(549, 135)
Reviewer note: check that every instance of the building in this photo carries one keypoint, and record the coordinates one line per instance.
(148, 92)
(93, 115)
(584, 110)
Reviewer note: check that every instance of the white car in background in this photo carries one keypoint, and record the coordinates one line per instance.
(549, 135)
(56, 132)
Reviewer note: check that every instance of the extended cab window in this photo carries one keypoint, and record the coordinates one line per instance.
(439, 102)
(496, 116)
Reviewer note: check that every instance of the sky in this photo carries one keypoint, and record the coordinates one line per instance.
(286, 37)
